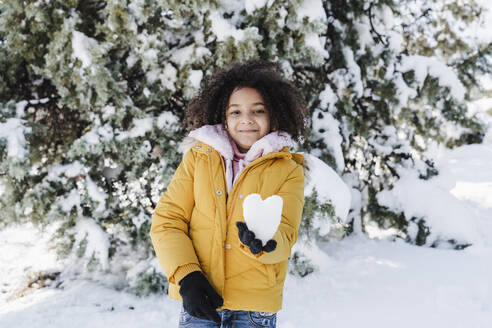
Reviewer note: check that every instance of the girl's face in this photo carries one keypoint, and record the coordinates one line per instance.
(247, 117)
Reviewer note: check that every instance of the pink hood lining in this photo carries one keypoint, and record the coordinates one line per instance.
(218, 138)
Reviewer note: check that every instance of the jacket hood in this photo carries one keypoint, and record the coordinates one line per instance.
(218, 138)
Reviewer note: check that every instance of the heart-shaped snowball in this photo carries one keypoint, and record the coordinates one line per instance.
(262, 216)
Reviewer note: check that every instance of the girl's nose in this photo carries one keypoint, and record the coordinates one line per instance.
(247, 118)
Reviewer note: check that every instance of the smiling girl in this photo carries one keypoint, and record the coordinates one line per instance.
(242, 125)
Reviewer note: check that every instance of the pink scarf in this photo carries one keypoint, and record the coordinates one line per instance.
(237, 159)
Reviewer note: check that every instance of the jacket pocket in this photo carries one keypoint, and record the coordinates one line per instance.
(271, 275)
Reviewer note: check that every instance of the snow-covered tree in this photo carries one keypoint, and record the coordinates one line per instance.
(397, 80)
(92, 93)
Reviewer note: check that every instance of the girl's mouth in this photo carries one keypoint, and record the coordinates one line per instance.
(248, 131)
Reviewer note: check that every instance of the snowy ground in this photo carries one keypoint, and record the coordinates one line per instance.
(361, 282)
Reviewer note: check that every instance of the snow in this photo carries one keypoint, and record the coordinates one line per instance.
(91, 137)
(140, 127)
(328, 99)
(20, 108)
(139, 219)
(326, 127)
(183, 55)
(282, 12)
(388, 284)
(475, 192)
(167, 120)
(108, 111)
(105, 132)
(423, 66)
(312, 9)
(403, 91)
(328, 184)
(136, 8)
(386, 16)
(69, 170)
(97, 241)
(96, 194)
(168, 77)
(262, 216)
(68, 202)
(312, 40)
(480, 29)
(87, 304)
(195, 78)
(462, 190)
(152, 75)
(24, 252)
(131, 60)
(223, 29)
(252, 5)
(395, 41)
(146, 92)
(146, 147)
(364, 33)
(353, 71)
(13, 131)
(81, 45)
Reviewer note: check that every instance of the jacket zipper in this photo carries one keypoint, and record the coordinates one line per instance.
(239, 180)
(235, 185)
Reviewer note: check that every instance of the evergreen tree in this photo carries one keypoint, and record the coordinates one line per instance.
(92, 93)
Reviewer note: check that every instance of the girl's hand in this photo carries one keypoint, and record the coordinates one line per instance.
(247, 237)
(199, 297)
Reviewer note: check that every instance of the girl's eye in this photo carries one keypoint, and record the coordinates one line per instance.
(235, 112)
(260, 111)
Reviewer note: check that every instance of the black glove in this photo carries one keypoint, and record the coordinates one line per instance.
(199, 297)
(247, 237)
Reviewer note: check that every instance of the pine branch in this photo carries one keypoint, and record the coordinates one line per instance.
(373, 29)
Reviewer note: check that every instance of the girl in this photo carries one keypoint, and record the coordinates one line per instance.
(242, 126)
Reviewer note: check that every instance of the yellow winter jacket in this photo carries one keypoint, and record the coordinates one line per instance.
(194, 226)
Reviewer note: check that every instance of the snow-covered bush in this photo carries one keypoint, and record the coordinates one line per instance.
(92, 93)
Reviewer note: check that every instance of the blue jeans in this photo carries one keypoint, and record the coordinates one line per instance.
(231, 319)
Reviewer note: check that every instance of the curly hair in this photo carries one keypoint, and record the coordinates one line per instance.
(284, 103)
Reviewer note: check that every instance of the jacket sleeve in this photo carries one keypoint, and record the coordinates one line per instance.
(292, 193)
(170, 223)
